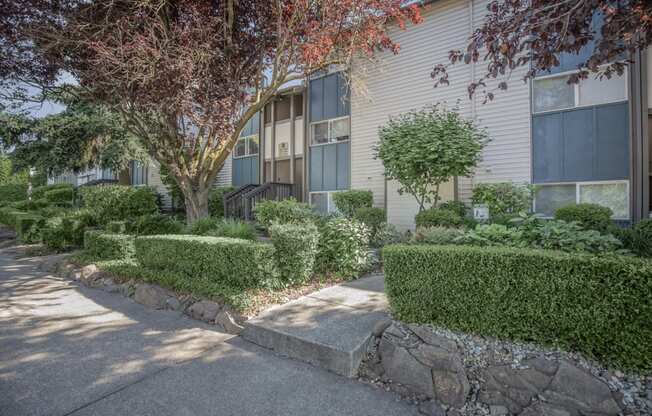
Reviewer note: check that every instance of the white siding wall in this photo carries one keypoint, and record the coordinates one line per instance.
(154, 180)
(399, 83)
(224, 176)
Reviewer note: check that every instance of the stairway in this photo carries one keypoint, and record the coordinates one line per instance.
(329, 328)
(241, 202)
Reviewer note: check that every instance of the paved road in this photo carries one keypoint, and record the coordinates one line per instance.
(70, 350)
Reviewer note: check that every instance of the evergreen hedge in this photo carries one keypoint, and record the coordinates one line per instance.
(600, 306)
(106, 246)
(295, 250)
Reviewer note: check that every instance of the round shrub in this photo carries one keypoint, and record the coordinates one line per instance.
(118, 202)
(343, 247)
(435, 217)
(107, 246)
(348, 202)
(458, 207)
(283, 212)
(503, 198)
(38, 192)
(372, 217)
(588, 216)
(295, 248)
(60, 196)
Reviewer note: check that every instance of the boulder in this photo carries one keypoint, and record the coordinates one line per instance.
(227, 321)
(204, 310)
(91, 275)
(151, 296)
(431, 408)
(401, 367)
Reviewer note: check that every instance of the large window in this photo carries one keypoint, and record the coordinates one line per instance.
(138, 173)
(246, 146)
(323, 202)
(330, 131)
(611, 194)
(553, 93)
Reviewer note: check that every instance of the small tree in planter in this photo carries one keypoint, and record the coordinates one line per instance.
(423, 149)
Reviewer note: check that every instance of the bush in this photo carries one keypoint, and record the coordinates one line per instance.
(53, 237)
(436, 235)
(373, 218)
(588, 216)
(118, 202)
(343, 247)
(60, 196)
(102, 245)
(204, 226)
(216, 200)
(8, 216)
(387, 234)
(503, 198)
(38, 192)
(211, 260)
(457, 207)
(597, 305)
(153, 224)
(436, 217)
(28, 205)
(283, 212)
(233, 229)
(348, 202)
(640, 238)
(116, 227)
(295, 248)
(28, 227)
(13, 192)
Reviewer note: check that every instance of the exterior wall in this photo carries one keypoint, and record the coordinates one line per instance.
(401, 209)
(649, 77)
(224, 176)
(154, 180)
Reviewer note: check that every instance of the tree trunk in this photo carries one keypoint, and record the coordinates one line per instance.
(196, 203)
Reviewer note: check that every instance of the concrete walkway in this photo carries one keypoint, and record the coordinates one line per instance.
(69, 350)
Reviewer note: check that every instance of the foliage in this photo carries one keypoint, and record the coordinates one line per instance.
(28, 227)
(588, 216)
(214, 260)
(426, 148)
(343, 247)
(283, 212)
(13, 192)
(639, 238)
(38, 192)
(153, 224)
(458, 207)
(216, 200)
(436, 235)
(492, 235)
(503, 198)
(61, 196)
(108, 246)
(116, 227)
(233, 229)
(438, 217)
(372, 217)
(348, 202)
(204, 226)
(30, 205)
(547, 30)
(295, 248)
(168, 180)
(579, 302)
(387, 234)
(118, 202)
(53, 237)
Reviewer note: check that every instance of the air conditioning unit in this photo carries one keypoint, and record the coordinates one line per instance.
(283, 149)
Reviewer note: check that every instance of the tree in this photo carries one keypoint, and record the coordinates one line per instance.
(534, 33)
(84, 135)
(423, 149)
(187, 75)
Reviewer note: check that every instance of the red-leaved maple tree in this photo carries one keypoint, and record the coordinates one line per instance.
(187, 75)
(534, 34)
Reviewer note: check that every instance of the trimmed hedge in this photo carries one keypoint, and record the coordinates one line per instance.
(102, 245)
(118, 202)
(116, 227)
(437, 217)
(39, 192)
(11, 192)
(343, 247)
(296, 249)
(28, 227)
(600, 306)
(286, 211)
(347, 202)
(8, 216)
(214, 260)
(588, 216)
(60, 196)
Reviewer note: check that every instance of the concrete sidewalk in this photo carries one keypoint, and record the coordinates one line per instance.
(69, 350)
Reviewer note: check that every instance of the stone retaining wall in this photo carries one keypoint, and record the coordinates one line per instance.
(456, 374)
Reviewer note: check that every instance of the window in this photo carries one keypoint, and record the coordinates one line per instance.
(614, 195)
(246, 146)
(138, 173)
(282, 108)
(267, 114)
(298, 105)
(553, 93)
(330, 131)
(323, 202)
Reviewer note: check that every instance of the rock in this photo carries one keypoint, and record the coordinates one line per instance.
(380, 327)
(173, 303)
(427, 335)
(497, 410)
(151, 296)
(580, 392)
(431, 408)
(91, 275)
(403, 368)
(451, 388)
(503, 382)
(226, 320)
(544, 409)
(204, 310)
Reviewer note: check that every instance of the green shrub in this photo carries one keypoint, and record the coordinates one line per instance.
(102, 245)
(216, 200)
(436, 235)
(640, 238)
(588, 216)
(61, 196)
(28, 205)
(118, 202)
(435, 217)
(387, 234)
(348, 202)
(600, 306)
(116, 227)
(283, 212)
(38, 192)
(153, 224)
(372, 217)
(343, 247)
(212, 260)
(53, 237)
(458, 207)
(11, 192)
(28, 227)
(503, 198)
(204, 226)
(8, 216)
(492, 235)
(295, 248)
(234, 229)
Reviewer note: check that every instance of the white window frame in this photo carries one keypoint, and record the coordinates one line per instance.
(247, 140)
(330, 122)
(329, 200)
(576, 92)
(577, 193)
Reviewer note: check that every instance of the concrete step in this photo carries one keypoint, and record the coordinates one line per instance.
(329, 328)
